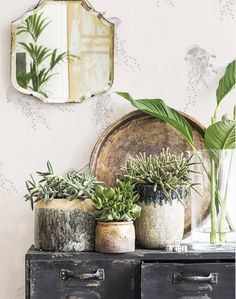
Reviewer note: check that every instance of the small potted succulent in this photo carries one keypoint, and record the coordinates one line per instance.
(162, 183)
(116, 209)
(64, 212)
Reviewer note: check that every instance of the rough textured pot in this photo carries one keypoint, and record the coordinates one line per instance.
(115, 237)
(63, 225)
(162, 221)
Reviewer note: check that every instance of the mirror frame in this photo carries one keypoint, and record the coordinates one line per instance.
(86, 5)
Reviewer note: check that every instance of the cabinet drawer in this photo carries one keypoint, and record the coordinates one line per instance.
(81, 279)
(188, 281)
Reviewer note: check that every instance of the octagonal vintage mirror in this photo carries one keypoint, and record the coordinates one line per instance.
(62, 51)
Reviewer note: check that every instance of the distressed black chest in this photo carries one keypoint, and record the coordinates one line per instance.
(145, 274)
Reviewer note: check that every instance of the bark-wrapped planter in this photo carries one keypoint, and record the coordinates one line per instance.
(115, 237)
(162, 221)
(65, 225)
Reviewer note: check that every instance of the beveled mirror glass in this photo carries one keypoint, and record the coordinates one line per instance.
(62, 51)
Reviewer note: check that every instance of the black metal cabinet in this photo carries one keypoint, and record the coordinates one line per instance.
(144, 274)
(194, 280)
(81, 279)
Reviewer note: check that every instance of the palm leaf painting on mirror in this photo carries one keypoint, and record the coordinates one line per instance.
(43, 60)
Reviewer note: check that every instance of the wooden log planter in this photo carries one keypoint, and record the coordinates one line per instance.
(64, 225)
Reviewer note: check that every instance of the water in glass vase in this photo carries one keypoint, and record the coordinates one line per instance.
(214, 226)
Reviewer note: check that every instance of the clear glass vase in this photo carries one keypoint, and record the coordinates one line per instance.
(214, 200)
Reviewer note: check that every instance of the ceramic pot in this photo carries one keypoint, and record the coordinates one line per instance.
(115, 237)
(162, 221)
(64, 225)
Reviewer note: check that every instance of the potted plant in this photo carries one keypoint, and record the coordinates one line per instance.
(116, 209)
(162, 183)
(64, 212)
(220, 143)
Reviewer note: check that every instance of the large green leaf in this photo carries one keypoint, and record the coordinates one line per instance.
(227, 82)
(221, 135)
(158, 109)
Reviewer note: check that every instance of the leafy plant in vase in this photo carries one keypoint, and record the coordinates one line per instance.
(162, 183)
(64, 212)
(220, 139)
(116, 209)
(43, 60)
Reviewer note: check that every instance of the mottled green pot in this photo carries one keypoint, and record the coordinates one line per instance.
(162, 219)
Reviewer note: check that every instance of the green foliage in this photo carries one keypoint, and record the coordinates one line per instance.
(34, 25)
(166, 172)
(73, 185)
(23, 79)
(220, 135)
(159, 109)
(57, 58)
(226, 83)
(37, 53)
(39, 74)
(116, 204)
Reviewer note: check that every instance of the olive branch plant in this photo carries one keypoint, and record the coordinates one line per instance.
(220, 135)
(40, 72)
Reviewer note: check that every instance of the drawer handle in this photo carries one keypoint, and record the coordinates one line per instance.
(99, 275)
(211, 278)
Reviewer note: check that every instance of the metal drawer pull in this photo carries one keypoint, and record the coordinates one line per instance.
(99, 275)
(211, 278)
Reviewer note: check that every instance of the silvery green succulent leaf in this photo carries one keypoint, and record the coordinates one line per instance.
(166, 172)
(72, 185)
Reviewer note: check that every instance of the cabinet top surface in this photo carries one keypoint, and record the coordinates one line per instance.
(140, 254)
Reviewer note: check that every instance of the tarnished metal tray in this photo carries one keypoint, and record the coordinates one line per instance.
(138, 132)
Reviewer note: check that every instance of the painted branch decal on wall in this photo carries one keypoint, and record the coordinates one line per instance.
(170, 2)
(122, 56)
(34, 110)
(226, 8)
(6, 184)
(102, 109)
(200, 68)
